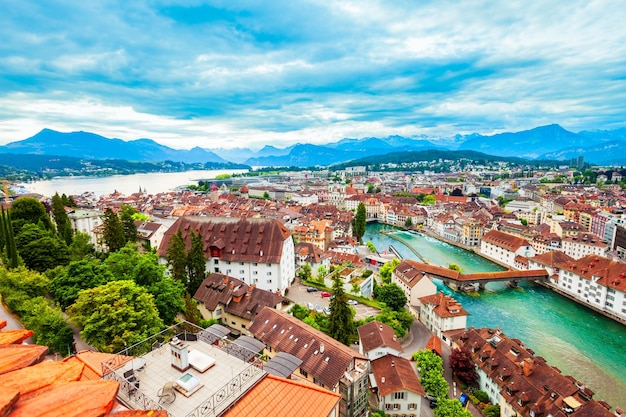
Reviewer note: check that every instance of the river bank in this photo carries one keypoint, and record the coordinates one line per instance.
(571, 337)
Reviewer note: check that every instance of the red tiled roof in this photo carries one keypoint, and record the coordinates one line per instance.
(376, 334)
(323, 357)
(397, 373)
(504, 240)
(275, 396)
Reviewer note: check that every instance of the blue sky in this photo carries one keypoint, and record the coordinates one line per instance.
(248, 73)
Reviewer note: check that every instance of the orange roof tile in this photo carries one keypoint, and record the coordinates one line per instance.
(276, 396)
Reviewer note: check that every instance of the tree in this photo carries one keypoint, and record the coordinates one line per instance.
(492, 410)
(321, 273)
(176, 255)
(356, 288)
(168, 298)
(427, 360)
(371, 246)
(435, 384)
(7, 240)
(454, 267)
(408, 223)
(429, 200)
(78, 276)
(29, 210)
(463, 366)
(192, 314)
(360, 221)
(112, 231)
(49, 326)
(341, 319)
(123, 262)
(40, 249)
(115, 315)
(387, 269)
(148, 271)
(392, 296)
(62, 220)
(523, 221)
(81, 246)
(128, 223)
(196, 263)
(305, 272)
(450, 407)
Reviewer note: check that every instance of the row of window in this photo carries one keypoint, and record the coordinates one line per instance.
(217, 262)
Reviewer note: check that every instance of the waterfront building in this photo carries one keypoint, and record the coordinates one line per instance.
(396, 386)
(325, 361)
(257, 251)
(377, 339)
(233, 302)
(414, 282)
(594, 281)
(471, 232)
(441, 313)
(524, 384)
(503, 247)
(583, 244)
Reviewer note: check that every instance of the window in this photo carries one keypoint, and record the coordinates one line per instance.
(399, 395)
(303, 373)
(269, 273)
(269, 265)
(413, 406)
(216, 261)
(241, 271)
(255, 272)
(269, 281)
(388, 406)
(254, 264)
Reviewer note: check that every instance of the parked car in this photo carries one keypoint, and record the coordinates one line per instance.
(433, 404)
(327, 311)
(353, 302)
(311, 289)
(319, 308)
(326, 294)
(310, 306)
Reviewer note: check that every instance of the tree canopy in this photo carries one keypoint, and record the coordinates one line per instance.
(177, 258)
(392, 296)
(450, 407)
(463, 366)
(360, 221)
(112, 231)
(78, 276)
(387, 269)
(341, 320)
(115, 315)
(29, 210)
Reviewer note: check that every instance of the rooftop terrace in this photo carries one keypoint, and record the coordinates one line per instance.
(220, 371)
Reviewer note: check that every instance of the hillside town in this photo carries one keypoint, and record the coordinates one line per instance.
(259, 232)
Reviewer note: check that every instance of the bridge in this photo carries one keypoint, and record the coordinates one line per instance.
(456, 280)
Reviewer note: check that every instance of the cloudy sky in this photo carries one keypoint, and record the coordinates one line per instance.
(249, 73)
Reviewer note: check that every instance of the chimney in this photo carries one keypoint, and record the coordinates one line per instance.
(393, 364)
(380, 328)
(321, 347)
(382, 380)
(261, 253)
(225, 280)
(527, 366)
(231, 285)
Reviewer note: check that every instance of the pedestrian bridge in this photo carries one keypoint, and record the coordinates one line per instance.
(456, 280)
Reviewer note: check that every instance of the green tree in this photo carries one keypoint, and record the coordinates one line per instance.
(148, 271)
(523, 221)
(176, 255)
(356, 288)
(429, 200)
(454, 267)
(392, 296)
(435, 384)
(115, 315)
(123, 262)
(321, 273)
(371, 246)
(49, 327)
(305, 272)
(492, 410)
(62, 220)
(128, 223)
(450, 408)
(112, 231)
(360, 221)
(26, 210)
(40, 249)
(387, 269)
(408, 223)
(81, 247)
(196, 263)
(7, 240)
(78, 276)
(341, 320)
(192, 314)
(168, 298)
(427, 360)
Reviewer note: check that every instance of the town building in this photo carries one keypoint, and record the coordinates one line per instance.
(86, 221)
(503, 247)
(523, 384)
(396, 386)
(258, 251)
(415, 283)
(377, 339)
(582, 245)
(441, 313)
(233, 302)
(325, 361)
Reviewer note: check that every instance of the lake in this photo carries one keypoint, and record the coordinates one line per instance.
(152, 183)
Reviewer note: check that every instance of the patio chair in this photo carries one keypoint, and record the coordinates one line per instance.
(167, 394)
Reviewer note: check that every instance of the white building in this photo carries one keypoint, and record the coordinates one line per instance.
(441, 313)
(413, 281)
(257, 251)
(582, 245)
(397, 386)
(504, 247)
(86, 221)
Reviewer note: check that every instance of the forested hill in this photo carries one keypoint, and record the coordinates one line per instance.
(24, 167)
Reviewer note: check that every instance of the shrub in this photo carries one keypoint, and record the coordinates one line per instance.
(482, 396)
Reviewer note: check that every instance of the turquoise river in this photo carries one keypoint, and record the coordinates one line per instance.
(578, 341)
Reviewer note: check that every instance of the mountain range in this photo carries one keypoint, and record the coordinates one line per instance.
(601, 147)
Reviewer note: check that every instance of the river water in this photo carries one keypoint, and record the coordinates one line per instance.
(151, 183)
(578, 341)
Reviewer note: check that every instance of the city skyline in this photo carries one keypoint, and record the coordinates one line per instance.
(214, 74)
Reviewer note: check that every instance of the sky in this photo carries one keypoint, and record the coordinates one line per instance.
(226, 74)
